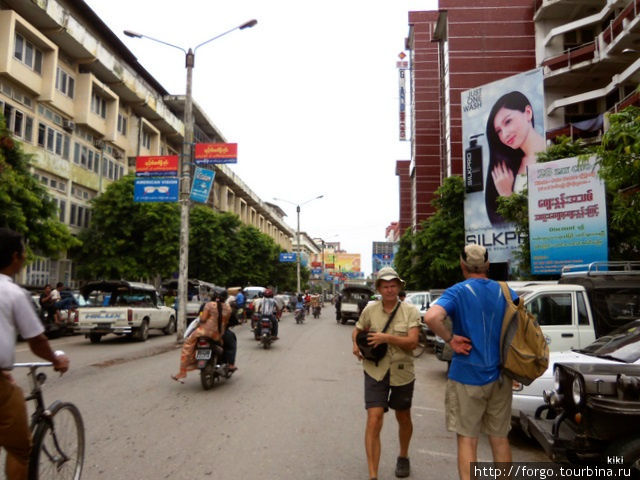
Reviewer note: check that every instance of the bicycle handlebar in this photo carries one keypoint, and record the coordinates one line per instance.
(33, 364)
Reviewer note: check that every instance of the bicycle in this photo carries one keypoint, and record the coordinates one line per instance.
(57, 433)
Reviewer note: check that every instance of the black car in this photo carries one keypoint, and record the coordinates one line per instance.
(593, 413)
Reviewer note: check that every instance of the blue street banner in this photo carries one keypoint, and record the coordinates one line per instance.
(201, 186)
(316, 271)
(287, 257)
(155, 190)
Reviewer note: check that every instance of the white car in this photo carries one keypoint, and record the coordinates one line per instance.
(620, 346)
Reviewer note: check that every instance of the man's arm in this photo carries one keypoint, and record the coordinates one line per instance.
(356, 350)
(40, 346)
(408, 342)
(434, 318)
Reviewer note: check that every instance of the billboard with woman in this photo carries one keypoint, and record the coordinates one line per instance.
(502, 130)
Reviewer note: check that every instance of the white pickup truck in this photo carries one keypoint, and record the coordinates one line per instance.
(587, 302)
(123, 308)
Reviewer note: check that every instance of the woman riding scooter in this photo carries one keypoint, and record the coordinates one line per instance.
(214, 320)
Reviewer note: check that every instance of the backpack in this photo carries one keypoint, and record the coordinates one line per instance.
(524, 353)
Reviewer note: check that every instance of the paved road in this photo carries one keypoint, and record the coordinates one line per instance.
(292, 412)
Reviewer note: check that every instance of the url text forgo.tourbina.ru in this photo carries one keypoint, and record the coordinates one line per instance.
(614, 470)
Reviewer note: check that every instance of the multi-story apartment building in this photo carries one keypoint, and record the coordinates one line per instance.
(84, 108)
(590, 52)
(462, 45)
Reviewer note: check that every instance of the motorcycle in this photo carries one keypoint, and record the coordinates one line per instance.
(316, 311)
(299, 315)
(264, 332)
(209, 355)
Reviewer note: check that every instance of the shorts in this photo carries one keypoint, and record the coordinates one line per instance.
(15, 437)
(383, 394)
(471, 409)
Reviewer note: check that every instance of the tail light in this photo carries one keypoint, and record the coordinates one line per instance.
(202, 342)
(75, 317)
(129, 315)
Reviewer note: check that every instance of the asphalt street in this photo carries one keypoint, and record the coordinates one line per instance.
(294, 411)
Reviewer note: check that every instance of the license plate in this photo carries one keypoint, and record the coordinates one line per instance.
(203, 354)
(104, 325)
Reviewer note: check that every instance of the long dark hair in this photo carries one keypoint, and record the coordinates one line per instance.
(499, 153)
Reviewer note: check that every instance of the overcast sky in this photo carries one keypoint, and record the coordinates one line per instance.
(310, 94)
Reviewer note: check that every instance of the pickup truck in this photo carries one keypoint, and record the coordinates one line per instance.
(354, 297)
(123, 308)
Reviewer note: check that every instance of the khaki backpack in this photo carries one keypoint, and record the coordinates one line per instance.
(524, 353)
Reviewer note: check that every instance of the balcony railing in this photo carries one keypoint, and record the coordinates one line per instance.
(572, 56)
(632, 99)
(617, 24)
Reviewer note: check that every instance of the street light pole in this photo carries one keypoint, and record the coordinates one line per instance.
(298, 253)
(298, 205)
(185, 171)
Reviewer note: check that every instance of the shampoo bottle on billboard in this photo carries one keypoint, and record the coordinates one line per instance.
(473, 165)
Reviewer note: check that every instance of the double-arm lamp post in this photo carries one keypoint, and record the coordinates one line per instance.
(298, 205)
(185, 169)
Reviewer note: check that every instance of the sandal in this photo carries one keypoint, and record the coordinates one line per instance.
(233, 369)
(178, 379)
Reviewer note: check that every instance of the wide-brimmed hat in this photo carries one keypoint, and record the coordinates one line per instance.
(474, 256)
(388, 273)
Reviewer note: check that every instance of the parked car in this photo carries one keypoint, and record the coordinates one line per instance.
(422, 301)
(606, 350)
(132, 309)
(593, 411)
(197, 292)
(352, 297)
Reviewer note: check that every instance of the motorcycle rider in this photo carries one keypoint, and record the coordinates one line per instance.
(214, 320)
(300, 306)
(269, 308)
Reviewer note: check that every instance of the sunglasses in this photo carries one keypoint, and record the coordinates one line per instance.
(152, 189)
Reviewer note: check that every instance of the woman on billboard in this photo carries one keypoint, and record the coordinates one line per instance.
(513, 144)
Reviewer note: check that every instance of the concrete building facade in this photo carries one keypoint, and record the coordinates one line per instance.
(84, 108)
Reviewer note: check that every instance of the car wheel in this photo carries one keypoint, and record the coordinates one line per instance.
(171, 326)
(143, 332)
(95, 337)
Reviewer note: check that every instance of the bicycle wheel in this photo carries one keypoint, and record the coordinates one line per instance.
(58, 445)
(422, 344)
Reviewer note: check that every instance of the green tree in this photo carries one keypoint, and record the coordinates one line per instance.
(127, 239)
(25, 205)
(146, 245)
(619, 159)
(430, 258)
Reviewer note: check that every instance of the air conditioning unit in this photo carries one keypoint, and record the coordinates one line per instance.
(116, 154)
(68, 125)
(99, 144)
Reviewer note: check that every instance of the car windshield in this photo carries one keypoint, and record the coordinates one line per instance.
(622, 344)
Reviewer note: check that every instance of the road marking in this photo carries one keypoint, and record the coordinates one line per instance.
(446, 454)
(57, 342)
(429, 409)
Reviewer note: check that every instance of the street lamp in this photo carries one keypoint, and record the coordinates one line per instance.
(185, 169)
(298, 205)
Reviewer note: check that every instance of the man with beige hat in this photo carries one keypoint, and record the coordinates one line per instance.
(388, 383)
(477, 398)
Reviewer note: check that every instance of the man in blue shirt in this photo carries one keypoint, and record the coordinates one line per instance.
(240, 304)
(477, 398)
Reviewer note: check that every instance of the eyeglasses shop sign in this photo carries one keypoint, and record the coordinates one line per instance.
(155, 190)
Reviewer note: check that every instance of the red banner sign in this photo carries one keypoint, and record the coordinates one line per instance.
(156, 164)
(207, 153)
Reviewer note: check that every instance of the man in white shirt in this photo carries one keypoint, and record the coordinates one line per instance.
(17, 316)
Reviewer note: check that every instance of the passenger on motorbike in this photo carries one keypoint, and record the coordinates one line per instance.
(269, 308)
(214, 319)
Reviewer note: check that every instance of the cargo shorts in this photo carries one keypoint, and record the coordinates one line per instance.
(471, 409)
(383, 394)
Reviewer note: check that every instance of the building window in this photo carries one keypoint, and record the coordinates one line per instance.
(146, 140)
(65, 83)
(53, 140)
(27, 53)
(17, 122)
(98, 105)
(122, 124)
